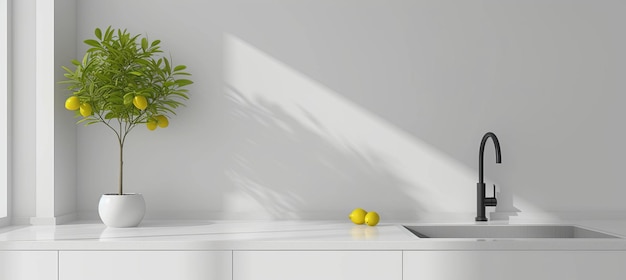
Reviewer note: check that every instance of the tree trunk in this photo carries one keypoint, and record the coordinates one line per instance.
(121, 190)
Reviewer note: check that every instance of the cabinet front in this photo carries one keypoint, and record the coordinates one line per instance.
(316, 265)
(514, 265)
(127, 265)
(28, 265)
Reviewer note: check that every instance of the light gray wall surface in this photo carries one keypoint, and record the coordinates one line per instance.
(65, 132)
(308, 109)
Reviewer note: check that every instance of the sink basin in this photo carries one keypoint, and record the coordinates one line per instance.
(506, 231)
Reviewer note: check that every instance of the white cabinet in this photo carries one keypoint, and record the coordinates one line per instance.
(28, 265)
(315, 265)
(514, 265)
(127, 265)
(303, 265)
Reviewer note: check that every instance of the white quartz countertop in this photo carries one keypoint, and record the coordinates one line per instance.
(279, 235)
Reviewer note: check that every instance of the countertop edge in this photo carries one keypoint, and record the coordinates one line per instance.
(392, 237)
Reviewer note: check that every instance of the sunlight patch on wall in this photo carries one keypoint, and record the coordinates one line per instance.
(433, 180)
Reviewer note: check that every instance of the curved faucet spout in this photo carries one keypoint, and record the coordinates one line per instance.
(482, 201)
(481, 153)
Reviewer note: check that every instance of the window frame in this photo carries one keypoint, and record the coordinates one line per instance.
(5, 119)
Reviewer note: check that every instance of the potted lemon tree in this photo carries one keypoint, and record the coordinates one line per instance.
(123, 81)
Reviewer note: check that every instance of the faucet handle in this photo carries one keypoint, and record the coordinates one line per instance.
(491, 201)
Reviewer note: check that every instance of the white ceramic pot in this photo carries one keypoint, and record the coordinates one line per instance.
(121, 211)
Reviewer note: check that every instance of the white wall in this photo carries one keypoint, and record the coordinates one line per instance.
(307, 109)
(65, 131)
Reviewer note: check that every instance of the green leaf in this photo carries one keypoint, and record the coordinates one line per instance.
(99, 33)
(132, 41)
(167, 64)
(181, 94)
(183, 82)
(144, 44)
(108, 34)
(67, 70)
(143, 62)
(85, 59)
(155, 43)
(93, 43)
(128, 98)
(115, 100)
(180, 68)
(135, 73)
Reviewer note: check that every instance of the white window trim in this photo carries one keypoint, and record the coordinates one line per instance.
(5, 120)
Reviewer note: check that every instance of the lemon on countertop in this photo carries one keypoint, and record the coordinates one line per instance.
(372, 218)
(358, 216)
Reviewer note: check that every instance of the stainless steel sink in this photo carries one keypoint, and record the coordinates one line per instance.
(506, 231)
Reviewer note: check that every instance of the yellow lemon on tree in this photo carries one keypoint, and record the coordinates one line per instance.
(372, 218)
(162, 121)
(151, 124)
(358, 216)
(72, 103)
(140, 102)
(85, 109)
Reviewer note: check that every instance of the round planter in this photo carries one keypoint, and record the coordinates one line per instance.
(121, 211)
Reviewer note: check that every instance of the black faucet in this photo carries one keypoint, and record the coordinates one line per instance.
(481, 200)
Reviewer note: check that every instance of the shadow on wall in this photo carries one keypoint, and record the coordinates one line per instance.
(288, 171)
(303, 151)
